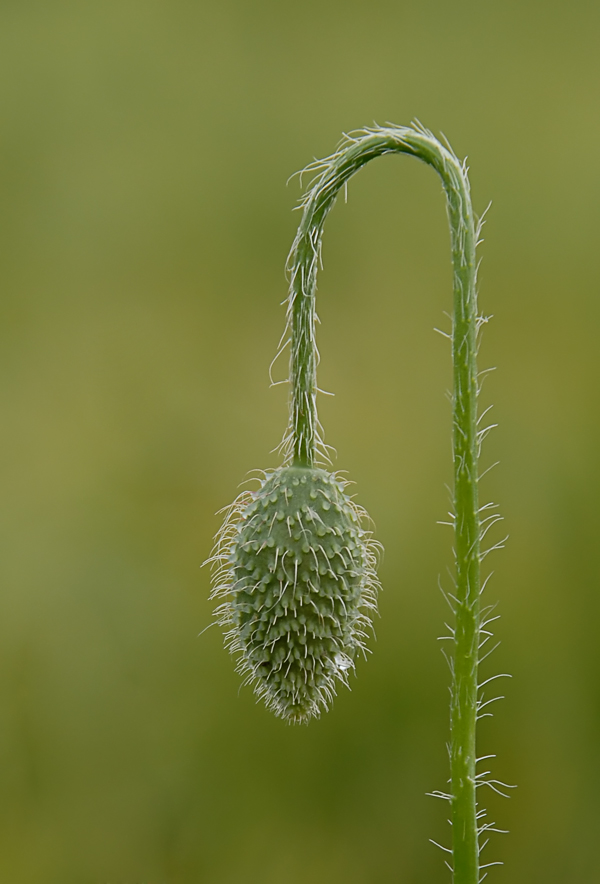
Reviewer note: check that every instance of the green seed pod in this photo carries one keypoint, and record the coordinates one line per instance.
(296, 572)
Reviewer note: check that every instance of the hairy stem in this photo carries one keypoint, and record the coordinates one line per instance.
(303, 438)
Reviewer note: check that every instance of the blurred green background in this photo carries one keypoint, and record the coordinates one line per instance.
(145, 222)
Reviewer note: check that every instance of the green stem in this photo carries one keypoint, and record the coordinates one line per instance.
(304, 440)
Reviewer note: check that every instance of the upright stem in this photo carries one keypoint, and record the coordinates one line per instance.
(463, 708)
(303, 438)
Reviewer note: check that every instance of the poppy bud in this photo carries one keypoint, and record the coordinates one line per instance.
(297, 574)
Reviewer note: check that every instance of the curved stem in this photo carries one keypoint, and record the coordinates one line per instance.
(304, 439)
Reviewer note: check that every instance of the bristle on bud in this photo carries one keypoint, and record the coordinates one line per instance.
(296, 571)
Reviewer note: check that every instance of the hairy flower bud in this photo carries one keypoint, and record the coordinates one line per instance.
(296, 570)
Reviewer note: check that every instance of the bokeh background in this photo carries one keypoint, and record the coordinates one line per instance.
(145, 222)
